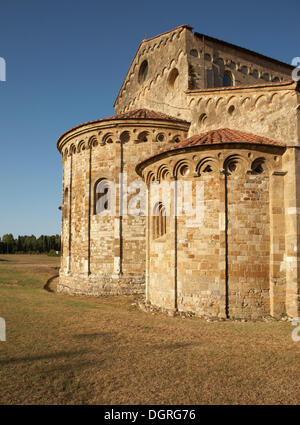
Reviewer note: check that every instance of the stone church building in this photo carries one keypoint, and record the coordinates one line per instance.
(191, 109)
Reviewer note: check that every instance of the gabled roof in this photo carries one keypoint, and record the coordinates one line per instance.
(242, 49)
(141, 43)
(208, 38)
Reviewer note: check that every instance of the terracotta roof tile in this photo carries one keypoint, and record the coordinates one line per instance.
(214, 137)
(225, 135)
(146, 114)
(134, 114)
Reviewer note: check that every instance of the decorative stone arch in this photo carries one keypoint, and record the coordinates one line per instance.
(150, 177)
(191, 102)
(245, 102)
(202, 119)
(260, 100)
(143, 137)
(199, 101)
(235, 163)
(231, 106)
(107, 138)
(163, 173)
(73, 149)
(209, 103)
(207, 165)
(81, 146)
(92, 142)
(183, 168)
(220, 103)
(260, 166)
(125, 136)
(181, 54)
(275, 98)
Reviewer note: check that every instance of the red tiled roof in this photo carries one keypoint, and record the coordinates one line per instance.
(146, 114)
(225, 135)
(212, 137)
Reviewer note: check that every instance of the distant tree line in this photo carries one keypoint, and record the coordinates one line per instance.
(29, 244)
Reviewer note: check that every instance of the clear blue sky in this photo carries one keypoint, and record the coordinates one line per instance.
(66, 60)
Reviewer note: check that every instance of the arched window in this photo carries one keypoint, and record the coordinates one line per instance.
(66, 203)
(227, 79)
(173, 78)
(102, 197)
(159, 220)
(276, 80)
(266, 77)
(143, 71)
(194, 52)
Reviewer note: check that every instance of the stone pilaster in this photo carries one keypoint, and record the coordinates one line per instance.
(277, 245)
(292, 229)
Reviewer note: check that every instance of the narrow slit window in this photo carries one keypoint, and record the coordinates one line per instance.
(159, 221)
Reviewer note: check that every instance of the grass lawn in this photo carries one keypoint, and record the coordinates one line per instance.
(73, 350)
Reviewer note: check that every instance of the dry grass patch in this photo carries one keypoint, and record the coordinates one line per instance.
(67, 350)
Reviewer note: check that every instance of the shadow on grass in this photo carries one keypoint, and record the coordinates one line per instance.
(175, 346)
(106, 336)
(57, 355)
(47, 284)
(73, 367)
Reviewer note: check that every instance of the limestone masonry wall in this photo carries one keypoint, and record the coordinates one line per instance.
(106, 253)
(242, 259)
(223, 266)
(167, 65)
